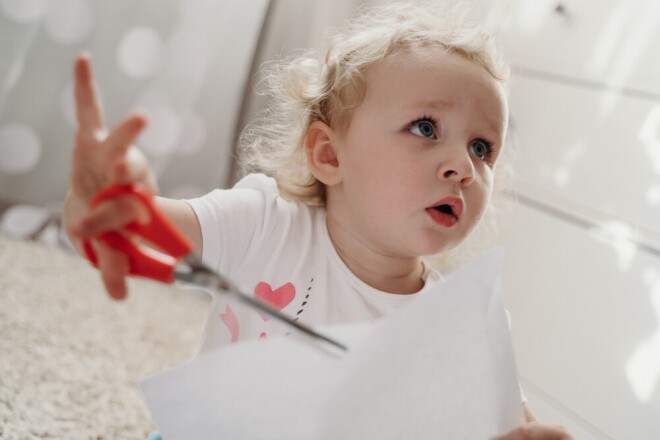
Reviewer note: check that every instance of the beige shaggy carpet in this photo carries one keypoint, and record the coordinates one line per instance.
(71, 358)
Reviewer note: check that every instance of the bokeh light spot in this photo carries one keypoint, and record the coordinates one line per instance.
(140, 52)
(649, 135)
(162, 133)
(193, 134)
(14, 74)
(24, 11)
(68, 105)
(653, 195)
(20, 148)
(70, 21)
(22, 220)
(562, 176)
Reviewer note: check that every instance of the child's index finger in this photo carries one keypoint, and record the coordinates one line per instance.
(88, 109)
(124, 134)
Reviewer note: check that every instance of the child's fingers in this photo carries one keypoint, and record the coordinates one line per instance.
(114, 267)
(112, 215)
(88, 109)
(134, 167)
(537, 431)
(124, 134)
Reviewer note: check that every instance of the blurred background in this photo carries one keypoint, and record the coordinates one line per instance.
(582, 270)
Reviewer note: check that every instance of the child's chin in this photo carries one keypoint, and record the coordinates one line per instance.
(437, 248)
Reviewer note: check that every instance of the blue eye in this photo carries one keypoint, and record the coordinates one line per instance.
(482, 149)
(424, 127)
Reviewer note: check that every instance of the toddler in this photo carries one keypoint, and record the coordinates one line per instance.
(368, 161)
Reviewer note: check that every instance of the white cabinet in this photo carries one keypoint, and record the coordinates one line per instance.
(599, 151)
(586, 332)
(585, 105)
(605, 42)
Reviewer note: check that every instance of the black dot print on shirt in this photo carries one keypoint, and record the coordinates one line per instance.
(304, 303)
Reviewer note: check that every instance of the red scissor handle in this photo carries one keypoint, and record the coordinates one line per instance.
(160, 231)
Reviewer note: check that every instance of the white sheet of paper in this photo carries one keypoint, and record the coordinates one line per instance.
(441, 368)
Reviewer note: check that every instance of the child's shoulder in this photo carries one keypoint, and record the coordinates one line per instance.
(267, 191)
(266, 186)
(259, 182)
(271, 190)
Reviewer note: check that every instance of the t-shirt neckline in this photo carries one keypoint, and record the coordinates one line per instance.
(429, 275)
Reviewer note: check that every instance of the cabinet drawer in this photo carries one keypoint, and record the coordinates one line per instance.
(585, 332)
(610, 42)
(599, 151)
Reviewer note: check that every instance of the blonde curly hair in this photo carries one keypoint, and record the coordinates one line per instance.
(306, 88)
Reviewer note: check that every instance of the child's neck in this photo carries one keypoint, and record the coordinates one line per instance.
(386, 273)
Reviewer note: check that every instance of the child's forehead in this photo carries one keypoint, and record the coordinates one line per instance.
(412, 59)
(431, 65)
(431, 77)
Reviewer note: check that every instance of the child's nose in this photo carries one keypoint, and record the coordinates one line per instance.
(457, 167)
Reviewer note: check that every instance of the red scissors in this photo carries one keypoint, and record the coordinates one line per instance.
(164, 265)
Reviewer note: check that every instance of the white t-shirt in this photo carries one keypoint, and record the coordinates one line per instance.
(280, 251)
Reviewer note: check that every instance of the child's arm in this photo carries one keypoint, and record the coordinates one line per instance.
(101, 159)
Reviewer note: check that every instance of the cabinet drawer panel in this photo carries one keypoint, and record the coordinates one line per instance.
(586, 331)
(611, 42)
(595, 149)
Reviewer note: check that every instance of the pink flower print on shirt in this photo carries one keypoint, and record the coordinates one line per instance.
(278, 298)
(230, 320)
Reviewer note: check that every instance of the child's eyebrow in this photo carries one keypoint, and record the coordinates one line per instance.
(491, 123)
(491, 127)
(437, 104)
(425, 105)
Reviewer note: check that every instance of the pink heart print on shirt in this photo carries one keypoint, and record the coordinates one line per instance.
(278, 298)
(229, 318)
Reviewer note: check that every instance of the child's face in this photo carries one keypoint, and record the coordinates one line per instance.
(428, 132)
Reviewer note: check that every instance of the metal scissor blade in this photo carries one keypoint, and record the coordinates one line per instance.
(201, 274)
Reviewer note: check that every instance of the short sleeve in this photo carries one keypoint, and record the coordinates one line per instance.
(231, 220)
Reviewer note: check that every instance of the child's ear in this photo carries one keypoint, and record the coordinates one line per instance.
(321, 153)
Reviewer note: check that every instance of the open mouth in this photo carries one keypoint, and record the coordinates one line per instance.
(447, 211)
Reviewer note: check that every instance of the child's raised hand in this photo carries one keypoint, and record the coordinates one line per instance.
(537, 431)
(100, 159)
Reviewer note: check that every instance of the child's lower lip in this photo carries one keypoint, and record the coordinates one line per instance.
(441, 218)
